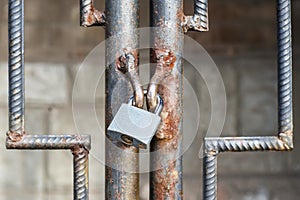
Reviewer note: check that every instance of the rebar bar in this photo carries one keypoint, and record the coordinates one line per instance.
(238, 144)
(284, 139)
(49, 142)
(81, 173)
(284, 37)
(210, 175)
(122, 161)
(78, 144)
(16, 66)
(198, 21)
(89, 15)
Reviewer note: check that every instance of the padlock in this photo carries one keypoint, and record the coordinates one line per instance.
(135, 126)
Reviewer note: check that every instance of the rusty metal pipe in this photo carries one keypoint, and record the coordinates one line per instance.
(121, 172)
(167, 43)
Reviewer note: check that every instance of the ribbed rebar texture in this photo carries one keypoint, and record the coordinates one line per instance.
(270, 143)
(49, 142)
(81, 179)
(79, 145)
(201, 11)
(89, 16)
(210, 177)
(284, 67)
(85, 7)
(16, 65)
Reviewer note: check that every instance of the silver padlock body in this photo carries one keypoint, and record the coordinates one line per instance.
(133, 126)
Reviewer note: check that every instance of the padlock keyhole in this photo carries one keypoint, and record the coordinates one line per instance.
(126, 139)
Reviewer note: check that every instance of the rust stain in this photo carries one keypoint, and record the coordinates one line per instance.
(89, 17)
(167, 178)
(122, 61)
(93, 17)
(171, 114)
(14, 136)
(78, 149)
(164, 57)
(166, 83)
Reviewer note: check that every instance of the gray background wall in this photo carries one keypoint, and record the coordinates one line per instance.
(242, 42)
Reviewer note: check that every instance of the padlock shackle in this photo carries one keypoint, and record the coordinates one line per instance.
(160, 102)
(160, 105)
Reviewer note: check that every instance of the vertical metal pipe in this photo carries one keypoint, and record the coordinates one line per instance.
(16, 66)
(167, 43)
(210, 176)
(81, 174)
(121, 177)
(284, 37)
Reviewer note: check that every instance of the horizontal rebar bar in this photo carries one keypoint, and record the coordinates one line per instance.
(267, 143)
(49, 142)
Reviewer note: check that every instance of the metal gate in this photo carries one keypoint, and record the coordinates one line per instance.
(122, 16)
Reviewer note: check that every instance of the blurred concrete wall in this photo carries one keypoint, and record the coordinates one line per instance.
(242, 42)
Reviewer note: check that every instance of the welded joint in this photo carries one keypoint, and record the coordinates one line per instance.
(80, 149)
(198, 21)
(287, 138)
(12, 137)
(194, 23)
(127, 63)
(210, 149)
(89, 15)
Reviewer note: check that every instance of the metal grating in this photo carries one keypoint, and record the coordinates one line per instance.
(80, 144)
